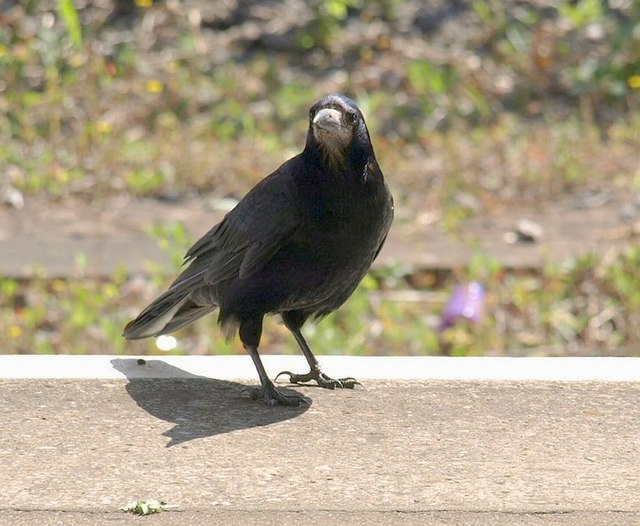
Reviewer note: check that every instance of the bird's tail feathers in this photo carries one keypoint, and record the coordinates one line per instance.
(168, 313)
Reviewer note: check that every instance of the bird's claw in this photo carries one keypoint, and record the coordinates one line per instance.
(272, 396)
(349, 382)
(321, 379)
(284, 372)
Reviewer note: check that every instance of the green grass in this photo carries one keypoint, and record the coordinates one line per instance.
(527, 103)
(589, 305)
(87, 116)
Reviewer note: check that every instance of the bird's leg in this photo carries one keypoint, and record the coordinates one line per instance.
(315, 373)
(250, 332)
(267, 392)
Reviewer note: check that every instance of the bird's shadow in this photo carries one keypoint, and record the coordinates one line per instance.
(198, 406)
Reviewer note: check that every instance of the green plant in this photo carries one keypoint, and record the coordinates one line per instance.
(329, 16)
(69, 14)
(147, 507)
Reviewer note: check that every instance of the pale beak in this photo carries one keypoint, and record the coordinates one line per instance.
(328, 119)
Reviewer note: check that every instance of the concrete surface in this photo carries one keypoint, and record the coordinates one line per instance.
(392, 452)
(304, 518)
(232, 367)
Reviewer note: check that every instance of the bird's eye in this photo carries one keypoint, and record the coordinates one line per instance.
(350, 118)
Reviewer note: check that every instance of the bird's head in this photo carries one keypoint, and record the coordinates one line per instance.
(338, 132)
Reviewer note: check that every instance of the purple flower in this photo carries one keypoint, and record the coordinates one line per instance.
(466, 302)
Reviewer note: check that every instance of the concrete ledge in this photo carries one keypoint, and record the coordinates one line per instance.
(614, 369)
(83, 436)
(394, 452)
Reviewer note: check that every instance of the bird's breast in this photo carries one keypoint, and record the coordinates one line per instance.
(344, 236)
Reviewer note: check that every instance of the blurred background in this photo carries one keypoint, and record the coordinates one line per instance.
(509, 132)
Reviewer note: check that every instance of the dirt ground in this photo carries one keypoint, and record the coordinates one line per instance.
(48, 233)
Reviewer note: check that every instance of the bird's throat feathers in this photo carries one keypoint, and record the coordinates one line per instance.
(351, 162)
(333, 157)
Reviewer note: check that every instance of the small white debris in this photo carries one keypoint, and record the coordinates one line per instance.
(12, 196)
(529, 231)
(526, 231)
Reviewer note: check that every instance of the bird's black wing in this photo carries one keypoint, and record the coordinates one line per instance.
(248, 236)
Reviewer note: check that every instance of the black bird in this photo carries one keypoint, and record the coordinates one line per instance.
(297, 245)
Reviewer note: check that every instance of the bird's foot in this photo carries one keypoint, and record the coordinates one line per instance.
(272, 396)
(321, 379)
